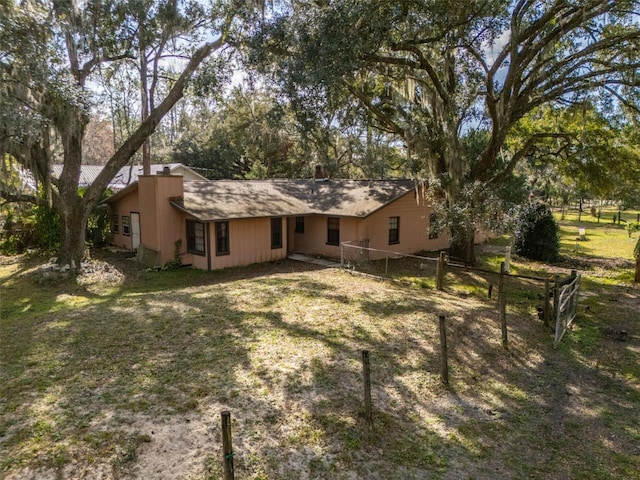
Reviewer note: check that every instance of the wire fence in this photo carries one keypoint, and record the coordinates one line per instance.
(357, 256)
(553, 299)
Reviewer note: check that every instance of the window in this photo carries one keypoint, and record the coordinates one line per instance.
(276, 233)
(299, 225)
(222, 238)
(433, 233)
(195, 237)
(115, 226)
(333, 231)
(126, 226)
(394, 230)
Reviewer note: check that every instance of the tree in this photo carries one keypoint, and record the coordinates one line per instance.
(429, 71)
(587, 152)
(97, 144)
(50, 55)
(253, 134)
(537, 233)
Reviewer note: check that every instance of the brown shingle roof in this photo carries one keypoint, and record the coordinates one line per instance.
(229, 199)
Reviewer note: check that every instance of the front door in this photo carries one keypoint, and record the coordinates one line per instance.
(135, 231)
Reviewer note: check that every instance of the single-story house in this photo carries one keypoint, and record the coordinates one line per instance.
(224, 223)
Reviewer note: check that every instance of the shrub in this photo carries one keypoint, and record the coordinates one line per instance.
(633, 227)
(536, 233)
(36, 227)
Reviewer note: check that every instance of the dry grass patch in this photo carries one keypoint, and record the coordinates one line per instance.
(130, 384)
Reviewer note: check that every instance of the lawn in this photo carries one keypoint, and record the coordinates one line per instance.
(602, 238)
(123, 375)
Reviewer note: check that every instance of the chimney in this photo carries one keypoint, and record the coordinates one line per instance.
(166, 171)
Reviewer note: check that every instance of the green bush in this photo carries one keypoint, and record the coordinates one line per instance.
(536, 233)
(633, 227)
(37, 227)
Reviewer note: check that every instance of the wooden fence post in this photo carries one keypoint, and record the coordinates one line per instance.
(502, 296)
(227, 448)
(507, 259)
(556, 298)
(366, 374)
(547, 299)
(440, 271)
(444, 368)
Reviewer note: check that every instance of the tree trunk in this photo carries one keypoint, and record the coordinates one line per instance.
(69, 204)
(463, 246)
(72, 243)
(637, 279)
(144, 99)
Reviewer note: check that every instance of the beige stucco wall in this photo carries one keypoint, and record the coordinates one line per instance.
(249, 242)
(414, 227)
(161, 225)
(414, 224)
(124, 206)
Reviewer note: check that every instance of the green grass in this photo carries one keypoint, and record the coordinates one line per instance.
(92, 376)
(602, 239)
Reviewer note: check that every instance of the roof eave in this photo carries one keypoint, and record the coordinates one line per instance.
(121, 193)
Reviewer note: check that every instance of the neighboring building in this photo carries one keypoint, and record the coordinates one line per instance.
(128, 174)
(225, 223)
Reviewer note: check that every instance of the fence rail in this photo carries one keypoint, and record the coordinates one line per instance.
(567, 307)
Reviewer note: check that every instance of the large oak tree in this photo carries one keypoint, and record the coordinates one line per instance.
(51, 55)
(431, 71)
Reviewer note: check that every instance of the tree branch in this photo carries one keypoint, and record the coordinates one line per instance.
(501, 176)
(9, 197)
(385, 119)
(146, 128)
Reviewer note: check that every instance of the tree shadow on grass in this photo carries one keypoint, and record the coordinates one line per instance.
(283, 353)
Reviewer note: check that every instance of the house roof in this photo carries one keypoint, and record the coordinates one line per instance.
(88, 173)
(232, 199)
(126, 175)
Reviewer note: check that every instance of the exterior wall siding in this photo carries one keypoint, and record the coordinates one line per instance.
(161, 225)
(124, 207)
(414, 228)
(249, 242)
(414, 231)
(314, 239)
